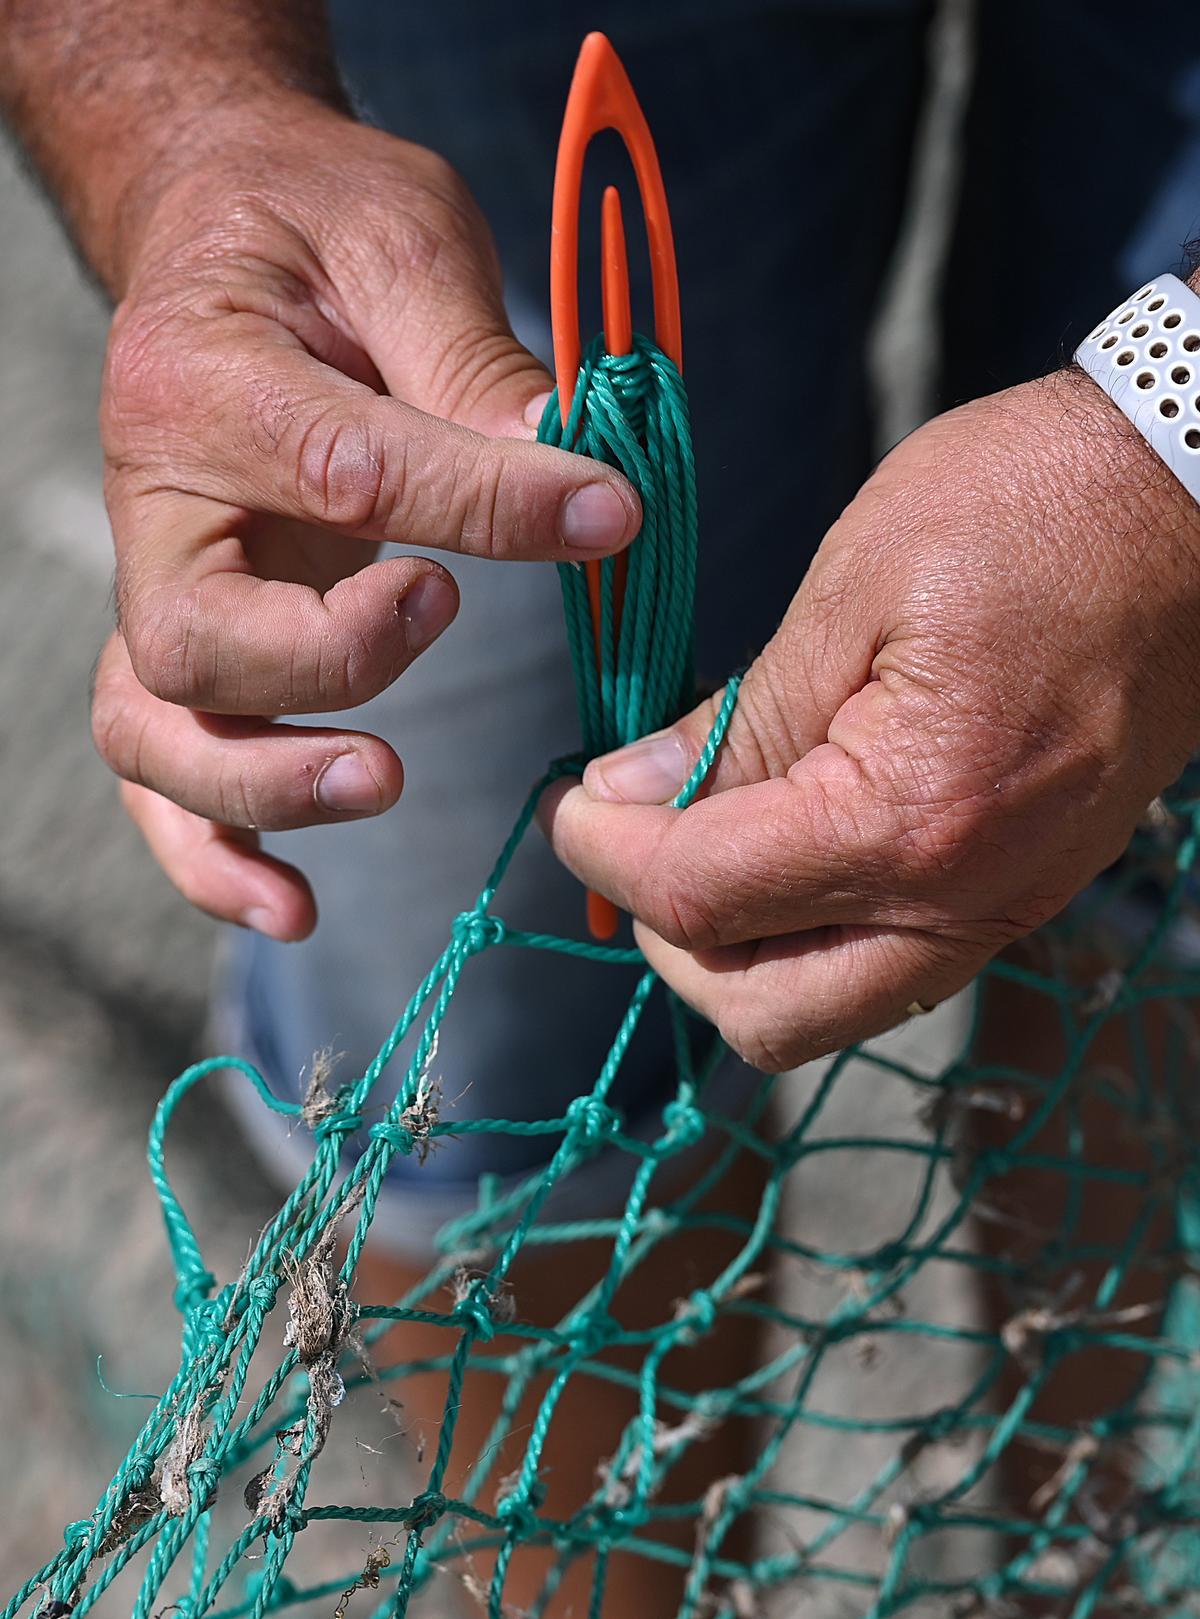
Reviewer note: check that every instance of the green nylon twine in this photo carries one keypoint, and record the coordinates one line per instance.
(631, 411)
(214, 1506)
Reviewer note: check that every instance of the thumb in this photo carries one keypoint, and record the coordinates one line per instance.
(786, 703)
(455, 358)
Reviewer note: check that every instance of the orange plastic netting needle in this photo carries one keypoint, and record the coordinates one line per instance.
(601, 97)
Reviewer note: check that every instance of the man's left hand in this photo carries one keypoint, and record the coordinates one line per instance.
(990, 670)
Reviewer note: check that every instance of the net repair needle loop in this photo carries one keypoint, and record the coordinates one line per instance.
(601, 97)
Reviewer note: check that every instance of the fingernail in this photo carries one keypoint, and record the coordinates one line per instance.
(346, 786)
(535, 410)
(426, 607)
(259, 918)
(594, 518)
(647, 772)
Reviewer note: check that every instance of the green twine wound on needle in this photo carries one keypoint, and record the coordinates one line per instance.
(631, 411)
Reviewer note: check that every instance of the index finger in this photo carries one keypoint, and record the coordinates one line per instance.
(801, 851)
(245, 416)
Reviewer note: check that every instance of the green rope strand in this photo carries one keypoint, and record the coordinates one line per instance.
(222, 1423)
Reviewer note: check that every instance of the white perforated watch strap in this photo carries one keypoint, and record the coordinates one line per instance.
(1146, 357)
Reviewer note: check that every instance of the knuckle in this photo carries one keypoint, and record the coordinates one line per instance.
(162, 648)
(132, 357)
(460, 493)
(367, 662)
(120, 734)
(759, 1038)
(235, 800)
(691, 888)
(110, 725)
(347, 672)
(480, 483)
(678, 912)
(341, 474)
(140, 378)
(355, 651)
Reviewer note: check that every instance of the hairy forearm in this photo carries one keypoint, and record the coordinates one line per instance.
(112, 98)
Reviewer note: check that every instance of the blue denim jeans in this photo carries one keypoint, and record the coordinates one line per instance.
(786, 135)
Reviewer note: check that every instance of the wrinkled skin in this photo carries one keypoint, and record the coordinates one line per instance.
(310, 356)
(988, 674)
(982, 682)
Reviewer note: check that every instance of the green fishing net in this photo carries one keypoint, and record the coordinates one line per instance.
(997, 1383)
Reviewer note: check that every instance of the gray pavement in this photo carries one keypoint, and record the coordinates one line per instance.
(102, 968)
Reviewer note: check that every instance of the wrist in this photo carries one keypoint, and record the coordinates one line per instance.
(113, 100)
(1110, 478)
(1131, 532)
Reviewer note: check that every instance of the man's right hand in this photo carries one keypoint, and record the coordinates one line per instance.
(310, 356)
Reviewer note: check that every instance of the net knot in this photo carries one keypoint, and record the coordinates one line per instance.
(192, 1291)
(474, 931)
(697, 1313)
(394, 1134)
(474, 1312)
(76, 1533)
(592, 1121)
(137, 1473)
(685, 1125)
(205, 1473)
(262, 1291)
(425, 1510)
(629, 1516)
(338, 1124)
(205, 1322)
(596, 1331)
(518, 1513)
(991, 1163)
(940, 1425)
(290, 1520)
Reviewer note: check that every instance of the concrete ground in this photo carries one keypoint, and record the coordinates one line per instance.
(103, 969)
